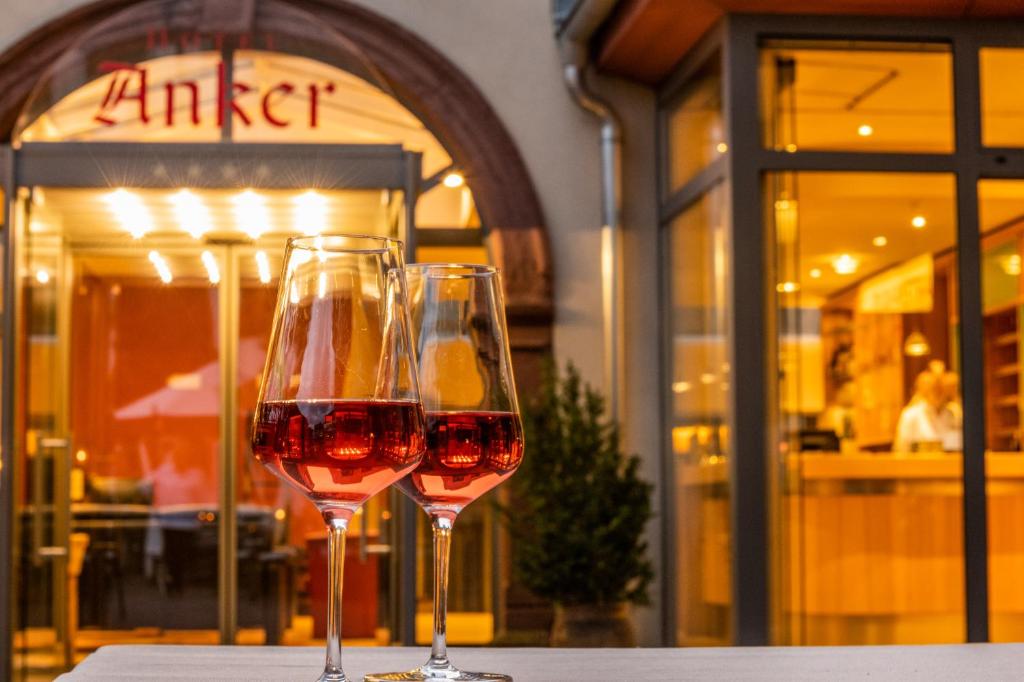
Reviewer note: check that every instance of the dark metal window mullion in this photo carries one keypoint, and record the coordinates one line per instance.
(967, 110)
(749, 303)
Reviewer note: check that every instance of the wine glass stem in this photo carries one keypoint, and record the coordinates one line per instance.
(442, 549)
(336, 528)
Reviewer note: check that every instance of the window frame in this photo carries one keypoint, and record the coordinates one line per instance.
(738, 39)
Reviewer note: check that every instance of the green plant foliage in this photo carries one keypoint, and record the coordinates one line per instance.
(579, 507)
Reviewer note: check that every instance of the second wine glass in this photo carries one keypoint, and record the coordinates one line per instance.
(474, 435)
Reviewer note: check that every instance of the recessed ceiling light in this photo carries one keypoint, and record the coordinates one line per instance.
(865, 130)
(918, 221)
(721, 147)
(160, 264)
(787, 287)
(880, 240)
(845, 264)
(130, 211)
(815, 273)
(453, 180)
(42, 276)
(790, 147)
(680, 386)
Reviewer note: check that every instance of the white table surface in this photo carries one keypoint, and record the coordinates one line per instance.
(935, 663)
(257, 664)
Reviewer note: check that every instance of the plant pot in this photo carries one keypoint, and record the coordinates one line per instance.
(592, 625)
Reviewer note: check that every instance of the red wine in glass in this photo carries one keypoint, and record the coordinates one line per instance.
(339, 450)
(468, 453)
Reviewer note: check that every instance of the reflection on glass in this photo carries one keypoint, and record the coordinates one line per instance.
(869, 416)
(694, 129)
(699, 416)
(282, 546)
(1001, 204)
(119, 449)
(859, 97)
(1002, 102)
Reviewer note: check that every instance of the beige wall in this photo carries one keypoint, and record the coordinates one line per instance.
(507, 48)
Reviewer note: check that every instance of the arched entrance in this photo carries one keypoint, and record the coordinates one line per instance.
(200, 288)
(422, 78)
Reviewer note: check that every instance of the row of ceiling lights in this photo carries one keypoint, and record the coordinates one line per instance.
(846, 264)
(163, 270)
(309, 212)
(249, 208)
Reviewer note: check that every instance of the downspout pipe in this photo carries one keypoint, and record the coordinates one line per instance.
(573, 40)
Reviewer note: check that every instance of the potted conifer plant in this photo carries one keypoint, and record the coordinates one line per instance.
(578, 514)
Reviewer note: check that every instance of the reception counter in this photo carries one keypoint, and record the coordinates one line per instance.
(870, 544)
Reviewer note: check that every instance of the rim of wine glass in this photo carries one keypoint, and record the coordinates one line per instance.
(320, 242)
(436, 270)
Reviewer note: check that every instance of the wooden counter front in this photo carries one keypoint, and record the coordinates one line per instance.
(871, 545)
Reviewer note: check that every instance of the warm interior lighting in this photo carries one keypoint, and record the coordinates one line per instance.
(321, 285)
(310, 215)
(916, 345)
(865, 130)
(680, 386)
(815, 273)
(880, 240)
(721, 147)
(81, 456)
(787, 287)
(785, 220)
(455, 179)
(43, 276)
(130, 211)
(791, 148)
(212, 271)
(293, 295)
(251, 214)
(191, 212)
(280, 514)
(160, 264)
(263, 267)
(1011, 264)
(845, 264)
(918, 221)
(707, 378)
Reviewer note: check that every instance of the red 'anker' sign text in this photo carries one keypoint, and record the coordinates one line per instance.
(130, 95)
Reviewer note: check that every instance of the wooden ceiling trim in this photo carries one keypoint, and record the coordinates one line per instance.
(645, 39)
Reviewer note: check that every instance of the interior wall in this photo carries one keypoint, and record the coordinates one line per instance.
(508, 50)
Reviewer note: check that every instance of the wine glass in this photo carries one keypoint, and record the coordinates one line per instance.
(338, 415)
(474, 435)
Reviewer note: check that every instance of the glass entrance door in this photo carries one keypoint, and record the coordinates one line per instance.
(141, 358)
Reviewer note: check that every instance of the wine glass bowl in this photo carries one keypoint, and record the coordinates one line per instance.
(338, 415)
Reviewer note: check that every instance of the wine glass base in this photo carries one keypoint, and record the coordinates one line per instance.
(332, 677)
(428, 673)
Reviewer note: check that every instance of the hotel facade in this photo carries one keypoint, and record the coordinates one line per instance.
(786, 245)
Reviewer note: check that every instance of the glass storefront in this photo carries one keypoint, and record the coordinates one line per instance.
(141, 515)
(890, 343)
(869, 411)
(699, 410)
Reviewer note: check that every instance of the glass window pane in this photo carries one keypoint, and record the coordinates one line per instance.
(868, 414)
(695, 132)
(859, 97)
(1001, 204)
(699, 418)
(1002, 100)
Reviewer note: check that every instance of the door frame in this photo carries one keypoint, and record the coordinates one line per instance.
(172, 166)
